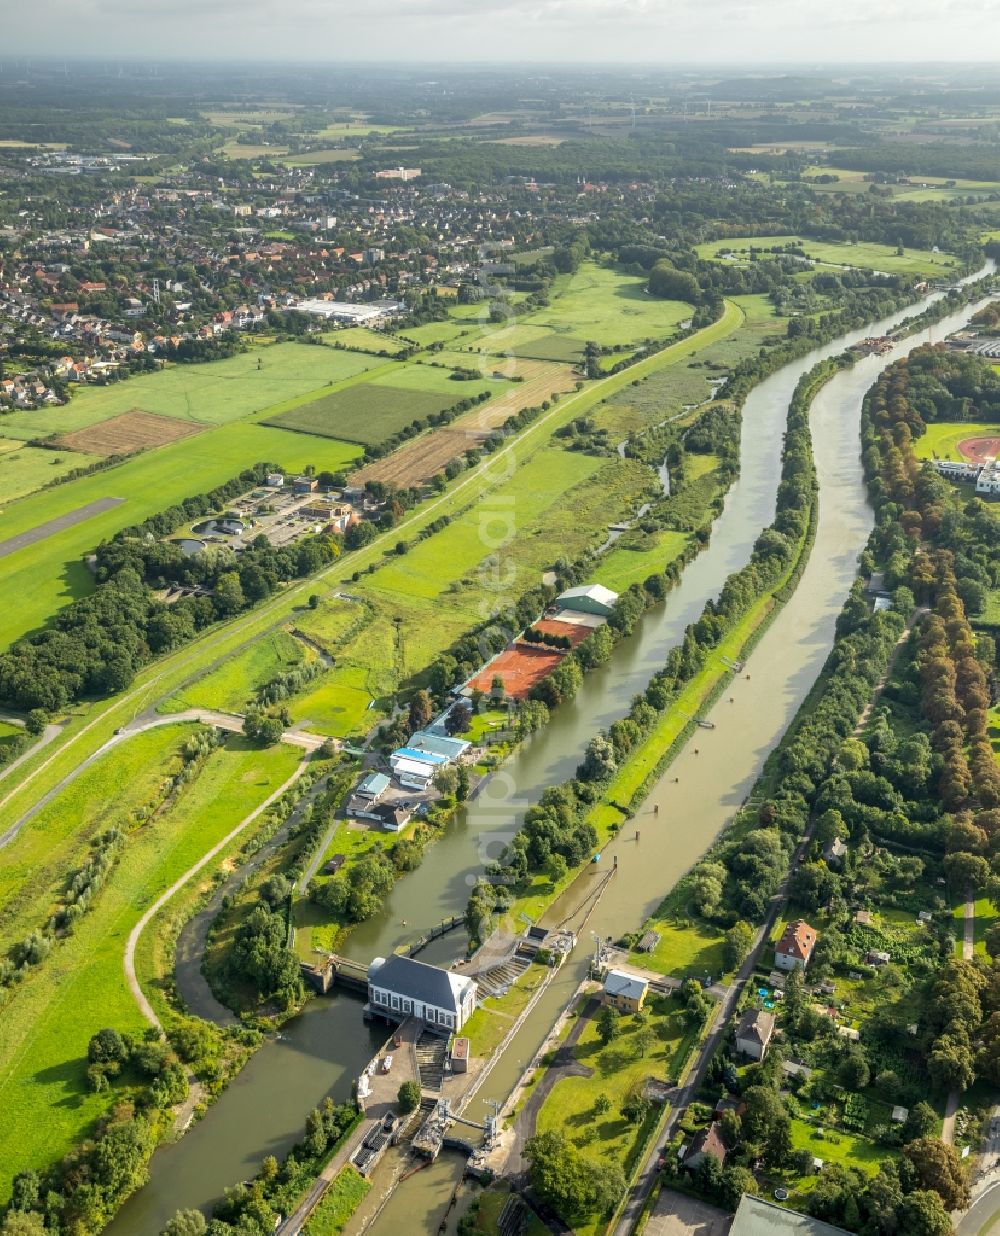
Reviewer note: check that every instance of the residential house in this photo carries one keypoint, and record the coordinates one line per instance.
(753, 1033)
(625, 992)
(400, 987)
(834, 852)
(391, 816)
(795, 947)
(708, 1141)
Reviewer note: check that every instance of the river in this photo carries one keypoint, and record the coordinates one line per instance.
(321, 1051)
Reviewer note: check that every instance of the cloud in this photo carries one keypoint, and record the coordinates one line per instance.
(745, 32)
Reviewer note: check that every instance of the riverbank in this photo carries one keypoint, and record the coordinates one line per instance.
(433, 893)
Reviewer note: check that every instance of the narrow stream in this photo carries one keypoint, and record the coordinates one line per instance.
(323, 1049)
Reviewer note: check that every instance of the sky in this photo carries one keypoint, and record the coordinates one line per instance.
(740, 32)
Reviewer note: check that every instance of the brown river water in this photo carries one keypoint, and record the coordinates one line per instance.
(321, 1051)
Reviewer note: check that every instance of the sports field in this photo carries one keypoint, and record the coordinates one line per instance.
(941, 438)
(864, 254)
(81, 987)
(48, 575)
(209, 394)
(519, 668)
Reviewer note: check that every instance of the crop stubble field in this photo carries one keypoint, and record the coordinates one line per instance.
(131, 431)
(557, 495)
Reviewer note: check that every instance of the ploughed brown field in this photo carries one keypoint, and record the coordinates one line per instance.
(125, 434)
(427, 455)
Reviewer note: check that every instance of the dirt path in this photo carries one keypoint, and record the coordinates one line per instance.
(193, 988)
(145, 1008)
(564, 1064)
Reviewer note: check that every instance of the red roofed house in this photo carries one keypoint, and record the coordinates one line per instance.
(795, 946)
(708, 1141)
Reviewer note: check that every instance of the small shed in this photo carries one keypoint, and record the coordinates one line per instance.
(899, 1114)
(649, 941)
(460, 1055)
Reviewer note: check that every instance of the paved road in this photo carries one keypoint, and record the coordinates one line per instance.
(682, 1097)
(150, 721)
(59, 524)
(145, 1008)
(279, 605)
(51, 731)
(977, 1218)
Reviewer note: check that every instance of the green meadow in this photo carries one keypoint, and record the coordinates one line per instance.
(50, 573)
(23, 469)
(865, 254)
(231, 686)
(208, 394)
(81, 987)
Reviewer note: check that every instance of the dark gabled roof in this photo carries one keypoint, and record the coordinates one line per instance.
(418, 981)
(756, 1024)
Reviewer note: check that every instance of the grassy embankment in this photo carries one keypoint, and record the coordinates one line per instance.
(346, 1193)
(90, 725)
(81, 987)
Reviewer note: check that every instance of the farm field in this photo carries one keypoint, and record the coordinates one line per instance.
(209, 394)
(44, 1032)
(373, 410)
(23, 469)
(127, 433)
(864, 254)
(423, 457)
(941, 438)
(47, 575)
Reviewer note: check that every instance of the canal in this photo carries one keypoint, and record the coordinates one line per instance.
(321, 1051)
